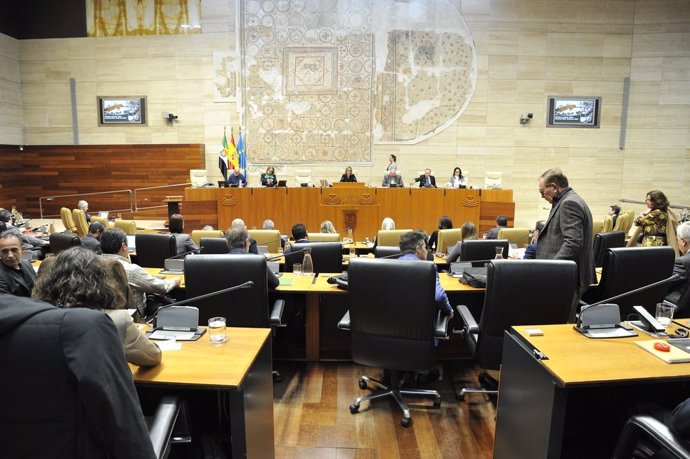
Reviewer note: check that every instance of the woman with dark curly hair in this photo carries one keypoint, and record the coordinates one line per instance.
(656, 226)
(78, 278)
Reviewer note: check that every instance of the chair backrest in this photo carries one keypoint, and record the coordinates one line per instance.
(627, 268)
(198, 234)
(386, 251)
(493, 180)
(624, 221)
(153, 249)
(327, 256)
(213, 245)
(605, 241)
(62, 241)
(383, 289)
(522, 292)
(68, 219)
(482, 249)
(597, 227)
(323, 237)
(269, 238)
(103, 220)
(78, 354)
(128, 226)
(303, 176)
(447, 238)
(80, 222)
(608, 224)
(198, 177)
(519, 236)
(390, 237)
(241, 308)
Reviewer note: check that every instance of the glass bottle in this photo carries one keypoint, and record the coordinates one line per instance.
(307, 263)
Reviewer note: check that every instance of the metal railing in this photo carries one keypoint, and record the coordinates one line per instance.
(80, 195)
(138, 208)
(676, 206)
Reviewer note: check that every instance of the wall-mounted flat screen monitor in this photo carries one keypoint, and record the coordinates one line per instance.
(571, 111)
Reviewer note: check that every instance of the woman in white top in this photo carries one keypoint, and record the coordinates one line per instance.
(457, 180)
(392, 164)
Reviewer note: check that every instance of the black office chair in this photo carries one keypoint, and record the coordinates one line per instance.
(71, 391)
(605, 241)
(62, 241)
(393, 325)
(482, 249)
(518, 292)
(153, 249)
(627, 268)
(213, 245)
(326, 256)
(386, 251)
(642, 436)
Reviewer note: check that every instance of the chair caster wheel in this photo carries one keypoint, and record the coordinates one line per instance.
(354, 409)
(406, 422)
(362, 384)
(437, 403)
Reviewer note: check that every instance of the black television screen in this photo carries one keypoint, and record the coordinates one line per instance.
(571, 111)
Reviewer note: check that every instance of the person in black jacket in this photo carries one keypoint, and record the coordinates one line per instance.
(348, 176)
(16, 275)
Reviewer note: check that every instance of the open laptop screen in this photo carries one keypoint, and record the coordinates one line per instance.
(131, 242)
(103, 214)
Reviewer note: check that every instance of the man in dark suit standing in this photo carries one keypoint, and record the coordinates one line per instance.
(426, 180)
(678, 292)
(567, 233)
(16, 275)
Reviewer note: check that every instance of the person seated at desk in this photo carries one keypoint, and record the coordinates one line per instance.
(457, 180)
(444, 223)
(348, 176)
(327, 227)
(84, 206)
(239, 223)
(92, 239)
(501, 223)
(237, 179)
(299, 234)
(269, 178)
(467, 231)
(78, 278)
(183, 241)
(679, 294)
(386, 225)
(16, 275)
(238, 243)
(141, 283)
(426, 180)
(392, 179)
(531, 250)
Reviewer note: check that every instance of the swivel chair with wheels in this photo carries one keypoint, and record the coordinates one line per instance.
(153, 249)
(405, 344)
(80, 221)
(643, 435)
(62, 241)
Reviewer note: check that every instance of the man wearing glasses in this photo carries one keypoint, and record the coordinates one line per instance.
(567, 233)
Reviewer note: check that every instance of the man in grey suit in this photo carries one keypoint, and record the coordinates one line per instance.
(567, 233)
(678, 292)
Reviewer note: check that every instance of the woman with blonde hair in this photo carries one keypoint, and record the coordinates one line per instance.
(327, 227)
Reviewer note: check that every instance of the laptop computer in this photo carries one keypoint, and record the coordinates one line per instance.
(131, 242)
(282, 183)
(222, 184)
(103, 214)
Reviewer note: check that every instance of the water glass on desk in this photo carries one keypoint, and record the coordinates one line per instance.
(216, 330)
(664, 313)
(297, 269)
(353, 251)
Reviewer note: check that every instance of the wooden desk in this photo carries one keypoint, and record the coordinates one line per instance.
(238, 371)
(579, 396)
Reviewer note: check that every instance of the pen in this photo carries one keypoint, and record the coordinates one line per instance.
(314, 280)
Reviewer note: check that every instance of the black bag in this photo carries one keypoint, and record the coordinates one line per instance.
(474, 277)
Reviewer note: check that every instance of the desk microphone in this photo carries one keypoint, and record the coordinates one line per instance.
(515, 241)
(394, 255)
(182, 255)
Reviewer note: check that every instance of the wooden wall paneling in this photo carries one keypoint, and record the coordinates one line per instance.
(462, 206)
(427, 206)
(395, 203)
(11, 180)
(358, 207)
(270, 203)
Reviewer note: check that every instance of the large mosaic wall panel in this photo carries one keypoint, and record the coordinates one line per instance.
(313, 91)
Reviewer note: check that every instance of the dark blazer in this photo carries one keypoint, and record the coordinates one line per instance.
(351, 178)
(422, 181)
(90, 242)
(16, 283)
(679, 294)
(567, 235)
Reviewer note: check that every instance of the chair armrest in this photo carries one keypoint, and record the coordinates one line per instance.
(344, 323)
(441, 326)
(646, 427)
(471, 325)
(276, 317)
(161, 428)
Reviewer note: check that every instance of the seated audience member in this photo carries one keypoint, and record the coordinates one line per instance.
(467, 231)
(501, 223)
(614, 211)
(457, 180)
(92, 239)
(299, 235)
(413, 247)
(269, 178)
(386, 224)
(237, 178)
(348, 176)
(426, 180)
(5, 220)
(16, 275)
(239, 223)
(444, 223)
(392, 179)
(268, 225)
(78, 278)
(327, 227)
(678, 293)
(531, 250)
(29, 243)
(238, 243)
(83, 205)
(114, 247)
(183, 241)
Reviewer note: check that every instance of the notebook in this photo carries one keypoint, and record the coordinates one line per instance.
(675, 355)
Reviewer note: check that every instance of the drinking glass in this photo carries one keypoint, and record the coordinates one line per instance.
(297, 269)
(664, 313)
(499, 253)
(216, 330)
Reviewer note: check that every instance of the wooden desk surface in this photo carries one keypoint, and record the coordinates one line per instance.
(156, 272)
(574, 359)
(203, 364)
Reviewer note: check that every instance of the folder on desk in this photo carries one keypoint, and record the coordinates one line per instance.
(674, 355)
